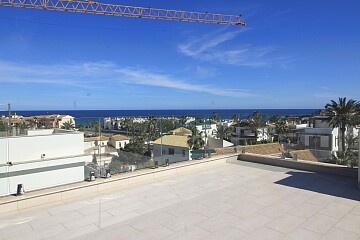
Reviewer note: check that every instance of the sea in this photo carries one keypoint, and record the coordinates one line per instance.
(98, 115)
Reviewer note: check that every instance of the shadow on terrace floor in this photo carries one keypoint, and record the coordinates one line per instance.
(334, 185)
(323, 183)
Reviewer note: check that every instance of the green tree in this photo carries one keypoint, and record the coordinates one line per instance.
(256, 121)
(235, 118)
(96, 127)
(128, 124)
(343, 114)
(223, 132)
(2, 127)
(281, 127)
(69, 125)
(21, 126)
(81, 128)
(347, 157)
(275, 118)
(195, 140)
(214, 116)
(152, 128)
(182, 121)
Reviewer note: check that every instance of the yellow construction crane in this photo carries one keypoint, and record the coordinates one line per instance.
(125, 11)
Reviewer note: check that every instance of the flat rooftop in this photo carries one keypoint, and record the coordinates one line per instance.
(235, 200)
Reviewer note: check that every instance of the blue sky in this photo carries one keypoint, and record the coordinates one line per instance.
(291, 54)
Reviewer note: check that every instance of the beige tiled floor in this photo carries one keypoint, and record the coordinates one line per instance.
(229, 201)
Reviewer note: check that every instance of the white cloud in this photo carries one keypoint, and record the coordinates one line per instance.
(212, 48)
(141, 77)
(98, 74)
(73, 74)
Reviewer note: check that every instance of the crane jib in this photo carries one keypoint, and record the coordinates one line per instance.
(92, 7)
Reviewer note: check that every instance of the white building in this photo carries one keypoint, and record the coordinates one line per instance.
(50, 121)
(91, 142)
(41, 159)
(320, 135)
(243, 134)
(113, 123)
(119, 141)
(208, 129)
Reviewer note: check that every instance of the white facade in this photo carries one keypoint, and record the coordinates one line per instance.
(91, 142)
(119, 141)
(321, 138)
(227, 123)
(263, 134)
(209, 129)
(41, 160)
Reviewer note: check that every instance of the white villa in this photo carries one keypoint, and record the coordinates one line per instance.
(90, 142)
(207, 129)
(319, 135)
(119, 141)
(50, 121)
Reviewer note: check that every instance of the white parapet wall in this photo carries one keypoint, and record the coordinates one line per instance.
(300, 165)
(45, 158)
(41, 174)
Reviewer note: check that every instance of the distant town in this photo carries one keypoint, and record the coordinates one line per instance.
(122, 144)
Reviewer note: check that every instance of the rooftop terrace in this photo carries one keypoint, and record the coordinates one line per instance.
(234, 200)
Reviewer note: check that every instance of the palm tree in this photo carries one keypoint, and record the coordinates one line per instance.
(214, 116)
(152, 130)
(69, 125)
(256, 121)
(2, 127)
(96, 127)
(195, 140)
(21, 126)
(223, 132)
(183, 120)
(235, 118)
(281, 127)
(343, 114)
(128, 123)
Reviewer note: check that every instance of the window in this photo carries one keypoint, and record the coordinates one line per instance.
(183, 153)
(171, 151)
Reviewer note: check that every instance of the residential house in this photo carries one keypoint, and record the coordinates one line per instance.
(113, 123)
(243, 134)
(50, 121)
(181, 131)
(119, 141)
(319, 135)
(90, 142)
(208, 128)
(171, 147)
